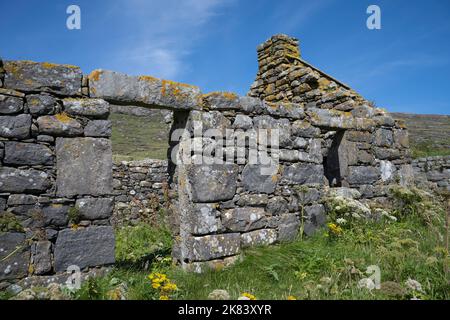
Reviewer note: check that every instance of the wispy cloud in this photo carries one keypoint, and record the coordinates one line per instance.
(162, 34)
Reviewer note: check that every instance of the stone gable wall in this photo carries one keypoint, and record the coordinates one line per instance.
(55, 155)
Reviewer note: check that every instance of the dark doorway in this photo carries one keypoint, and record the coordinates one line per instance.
(332, 161)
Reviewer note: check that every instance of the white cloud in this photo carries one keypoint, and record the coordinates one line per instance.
(162, 34)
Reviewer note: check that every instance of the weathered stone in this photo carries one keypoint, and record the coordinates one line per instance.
(221, 101)
(302, 173)
(59, 125)
(251, 105)
(277, 205)
(21, 199)
(41, 259)
(214, 265)
(17, 153)
(55, 215)
(288, 227)
(98, 128)
(363, 175)
(259, 178)
(253, 200)
(23, 181)
(386, 153)
(383, 138)
(401, 138)
(92, 108)
(269, 124)
(212, 120)
(387, 170)
(212, 183)
(143, 90)
(41, 104)
(95, 208)
(358, 136)
(204, 219)
(10, 105)
(90, 163)
(15, 127)
(16, 265)
(32, 77)
(338, 120)
(242, 122)
(89, 247)
(344, 192)
(2, 204)
(244, 219)
(304, 129)
(315, 218)
(262, 237)
(45, 138)
(215, 246)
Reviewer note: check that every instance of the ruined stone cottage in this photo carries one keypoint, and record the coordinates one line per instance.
(56, 179)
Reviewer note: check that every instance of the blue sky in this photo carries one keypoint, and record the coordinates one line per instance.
(404, 67)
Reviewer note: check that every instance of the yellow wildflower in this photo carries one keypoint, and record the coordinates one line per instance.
(248, 295)
(291, 298)
(164, 298)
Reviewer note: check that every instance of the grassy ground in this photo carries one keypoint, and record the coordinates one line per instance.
(325, 266)
(136, 138)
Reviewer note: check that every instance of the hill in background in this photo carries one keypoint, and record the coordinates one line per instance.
(140, 133)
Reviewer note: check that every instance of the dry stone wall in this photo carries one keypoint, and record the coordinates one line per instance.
(141, 190)
(55, 172)
(433, 171)
(56, 160)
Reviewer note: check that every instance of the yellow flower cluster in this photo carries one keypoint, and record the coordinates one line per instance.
(248, 295)
(335, 229)
(163, 284)
(291, 298)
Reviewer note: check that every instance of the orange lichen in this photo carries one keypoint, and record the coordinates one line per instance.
(148, 78)
(49, 65)
(63, 117)
(95, 75)
(226, 95)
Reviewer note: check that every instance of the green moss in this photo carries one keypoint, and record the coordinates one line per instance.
(9, 222)
(74, 215)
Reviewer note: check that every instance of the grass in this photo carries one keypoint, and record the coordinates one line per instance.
(319, 267)
(428, 149)
(137, 138)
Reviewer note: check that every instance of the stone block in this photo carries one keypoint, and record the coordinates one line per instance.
(16, 266)
(315, 218)
(37, 77)
(41, 104)
(204, 219)
(17, 153)
(10, 104)
(212, 183)
(59, 125)
(84, 166)
(15, 127)
(98, 128)
(215, 246)
(143, 90)
(303, 173)
(363, 175)
(91, 108)
(23, 181)
(41, 257)
(95, 208)
(244, 219)
(259, 178)
(261, 237)
(88, 247)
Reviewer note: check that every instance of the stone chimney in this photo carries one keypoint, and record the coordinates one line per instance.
(279, 50)
(275, 57)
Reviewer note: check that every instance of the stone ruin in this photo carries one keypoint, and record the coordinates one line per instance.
(56, 180)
